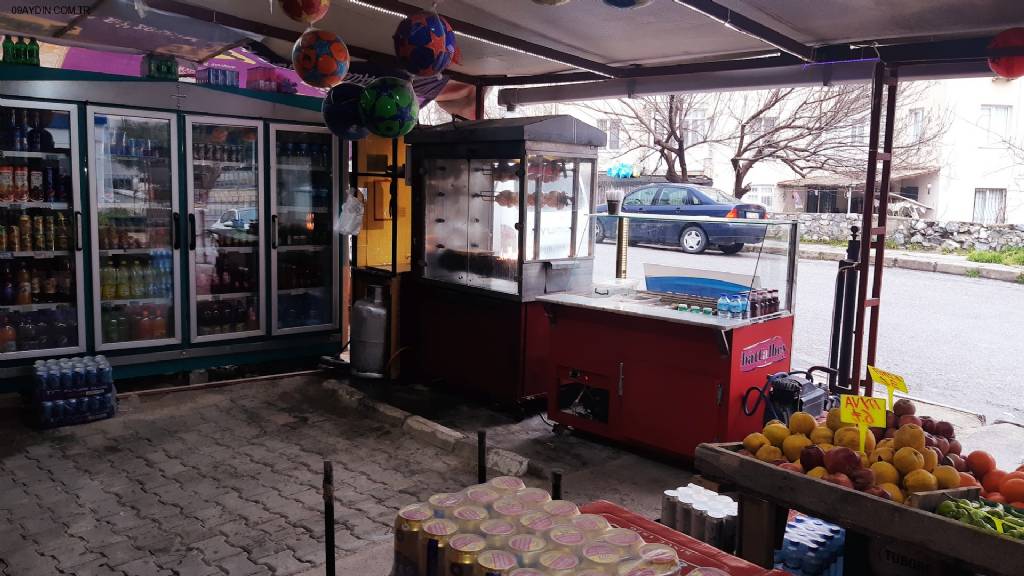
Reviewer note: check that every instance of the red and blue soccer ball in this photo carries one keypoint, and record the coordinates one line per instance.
(320, 58)
(305, 11)
(425, 44)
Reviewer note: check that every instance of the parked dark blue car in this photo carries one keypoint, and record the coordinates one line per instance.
(686, 200)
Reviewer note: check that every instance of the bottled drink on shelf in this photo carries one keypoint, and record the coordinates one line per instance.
(6, 183)
(21, 181)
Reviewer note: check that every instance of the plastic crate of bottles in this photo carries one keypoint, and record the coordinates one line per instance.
(811, 547)
(70, 391)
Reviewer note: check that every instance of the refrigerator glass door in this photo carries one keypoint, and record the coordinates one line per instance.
(225, 195)
(41, 289)
(304, 246)
(135, 237)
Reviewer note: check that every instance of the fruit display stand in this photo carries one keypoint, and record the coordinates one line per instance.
(883, 537)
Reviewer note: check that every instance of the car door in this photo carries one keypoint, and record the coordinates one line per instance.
(670, 201)
(639, 201)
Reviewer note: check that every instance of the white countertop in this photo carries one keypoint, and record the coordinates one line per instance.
(644, 306)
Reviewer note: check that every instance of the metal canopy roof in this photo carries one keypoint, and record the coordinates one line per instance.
(520, 42)
(562, 129)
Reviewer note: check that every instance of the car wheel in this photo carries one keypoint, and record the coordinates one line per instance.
(731, 248)
(600, 233)
(693, 240)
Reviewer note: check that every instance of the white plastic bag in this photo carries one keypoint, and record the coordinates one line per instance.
(351, 220)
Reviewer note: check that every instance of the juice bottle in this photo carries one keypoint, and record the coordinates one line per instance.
(159, 324)
(24, 296)
(108, 282)
(8, 289)
(138, 280)
(20, 182)
(143, 326)
(13, 234)
(35, 185)
(6, 183)
(124, 282)
(111, 332)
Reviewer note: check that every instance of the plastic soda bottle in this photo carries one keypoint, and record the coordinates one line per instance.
(723, 306)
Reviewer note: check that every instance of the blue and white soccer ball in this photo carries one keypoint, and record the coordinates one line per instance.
(628, 3)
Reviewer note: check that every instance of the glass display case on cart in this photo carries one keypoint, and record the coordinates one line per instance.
(135, 227)
(41, 295)
(303, 243)
(225, 218)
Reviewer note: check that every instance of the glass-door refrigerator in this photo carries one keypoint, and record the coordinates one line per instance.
(303, 243)
(41, 289)
(225, 215)
(135, 228)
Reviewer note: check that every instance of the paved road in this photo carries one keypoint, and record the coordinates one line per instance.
(953, 338)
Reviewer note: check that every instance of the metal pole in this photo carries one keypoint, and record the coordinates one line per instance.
(867, 221)
(556, 484)
(481, 456)
(329, 517)
(621, 242)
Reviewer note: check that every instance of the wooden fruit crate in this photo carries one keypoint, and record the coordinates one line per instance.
(767, 491)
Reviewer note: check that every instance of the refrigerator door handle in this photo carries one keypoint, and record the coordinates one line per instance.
(191, 231)
(175, 234)
(273, 231)
(78, 231)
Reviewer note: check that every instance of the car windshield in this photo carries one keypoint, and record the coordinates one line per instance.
(717, 195)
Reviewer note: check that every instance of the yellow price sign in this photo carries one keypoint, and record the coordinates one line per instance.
(889, 380)
(862, 411)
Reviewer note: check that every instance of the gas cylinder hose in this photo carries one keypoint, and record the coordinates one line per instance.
(762, 396)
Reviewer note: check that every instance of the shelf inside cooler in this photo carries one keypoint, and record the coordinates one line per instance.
(35, 307)
(136, 301)
(223, 249)
(222, 164)
(118, 251)
(151, 159)
(302, 168)
(295, 291)
(34, 254)
(141, 205)
(43, 155)
(228, 296)
(302, 248)
(30, 205)
(314, 210)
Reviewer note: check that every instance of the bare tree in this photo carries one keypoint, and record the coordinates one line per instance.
(825, 129)
(665, 127)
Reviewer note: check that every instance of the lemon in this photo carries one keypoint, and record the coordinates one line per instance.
(776, 433)
(802, 423)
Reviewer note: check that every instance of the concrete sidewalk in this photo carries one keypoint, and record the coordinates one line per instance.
(923, 261)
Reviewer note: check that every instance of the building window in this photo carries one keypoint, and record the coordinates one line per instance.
(613, 128)
(858, 134)
(995, 122)
(916, 117)
(694, 127)
(910, 192)
(763, 194)
(990, 205)
(762, 124)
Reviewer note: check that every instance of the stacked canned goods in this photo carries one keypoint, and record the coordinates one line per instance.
(72, 391)
(503, 528)
(703, 514)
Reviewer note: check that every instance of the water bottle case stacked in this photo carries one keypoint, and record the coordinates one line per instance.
(71, 391)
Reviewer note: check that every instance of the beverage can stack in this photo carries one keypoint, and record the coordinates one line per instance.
(69, 391)
(503, 528)
(811, 547)
(703, 514)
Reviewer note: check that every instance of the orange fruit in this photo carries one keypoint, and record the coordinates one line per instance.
(920, 481)
(893, 490)
(907, 460)
(776, 433)
(794, 444)
(992, 480)
(980, 462)
(768, 453)
(996, 497)
(802, 423)
(885, 473)
(947, 476)
(910, 435)
(1013, 489)
(967, 480)
(754, 441)
(1011, 476)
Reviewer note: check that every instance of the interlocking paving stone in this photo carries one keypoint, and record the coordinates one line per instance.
(211, 482)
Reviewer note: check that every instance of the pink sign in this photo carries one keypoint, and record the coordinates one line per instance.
(763, 354)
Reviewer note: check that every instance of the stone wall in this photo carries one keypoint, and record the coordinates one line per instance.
(913, 233)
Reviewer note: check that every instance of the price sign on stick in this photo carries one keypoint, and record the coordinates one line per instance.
(862, 411)
(889, 380)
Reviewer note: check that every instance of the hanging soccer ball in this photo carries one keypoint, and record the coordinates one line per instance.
(388, 107)
(628, 3)
(1008, 66)
(320, 58)
(425, 43)
(550, 2)
(305, 11)
(341, 111)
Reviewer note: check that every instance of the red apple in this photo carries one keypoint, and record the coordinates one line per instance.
(943, 428)
(909, 419)
(862, 479)
(878, 491)
(943, 444)
(841, 460)
(891, 419)
(957, 462)
(903, 407)
(929, 440)
(928, 424)
(838, 478)
(954, 446)
(811, 457)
